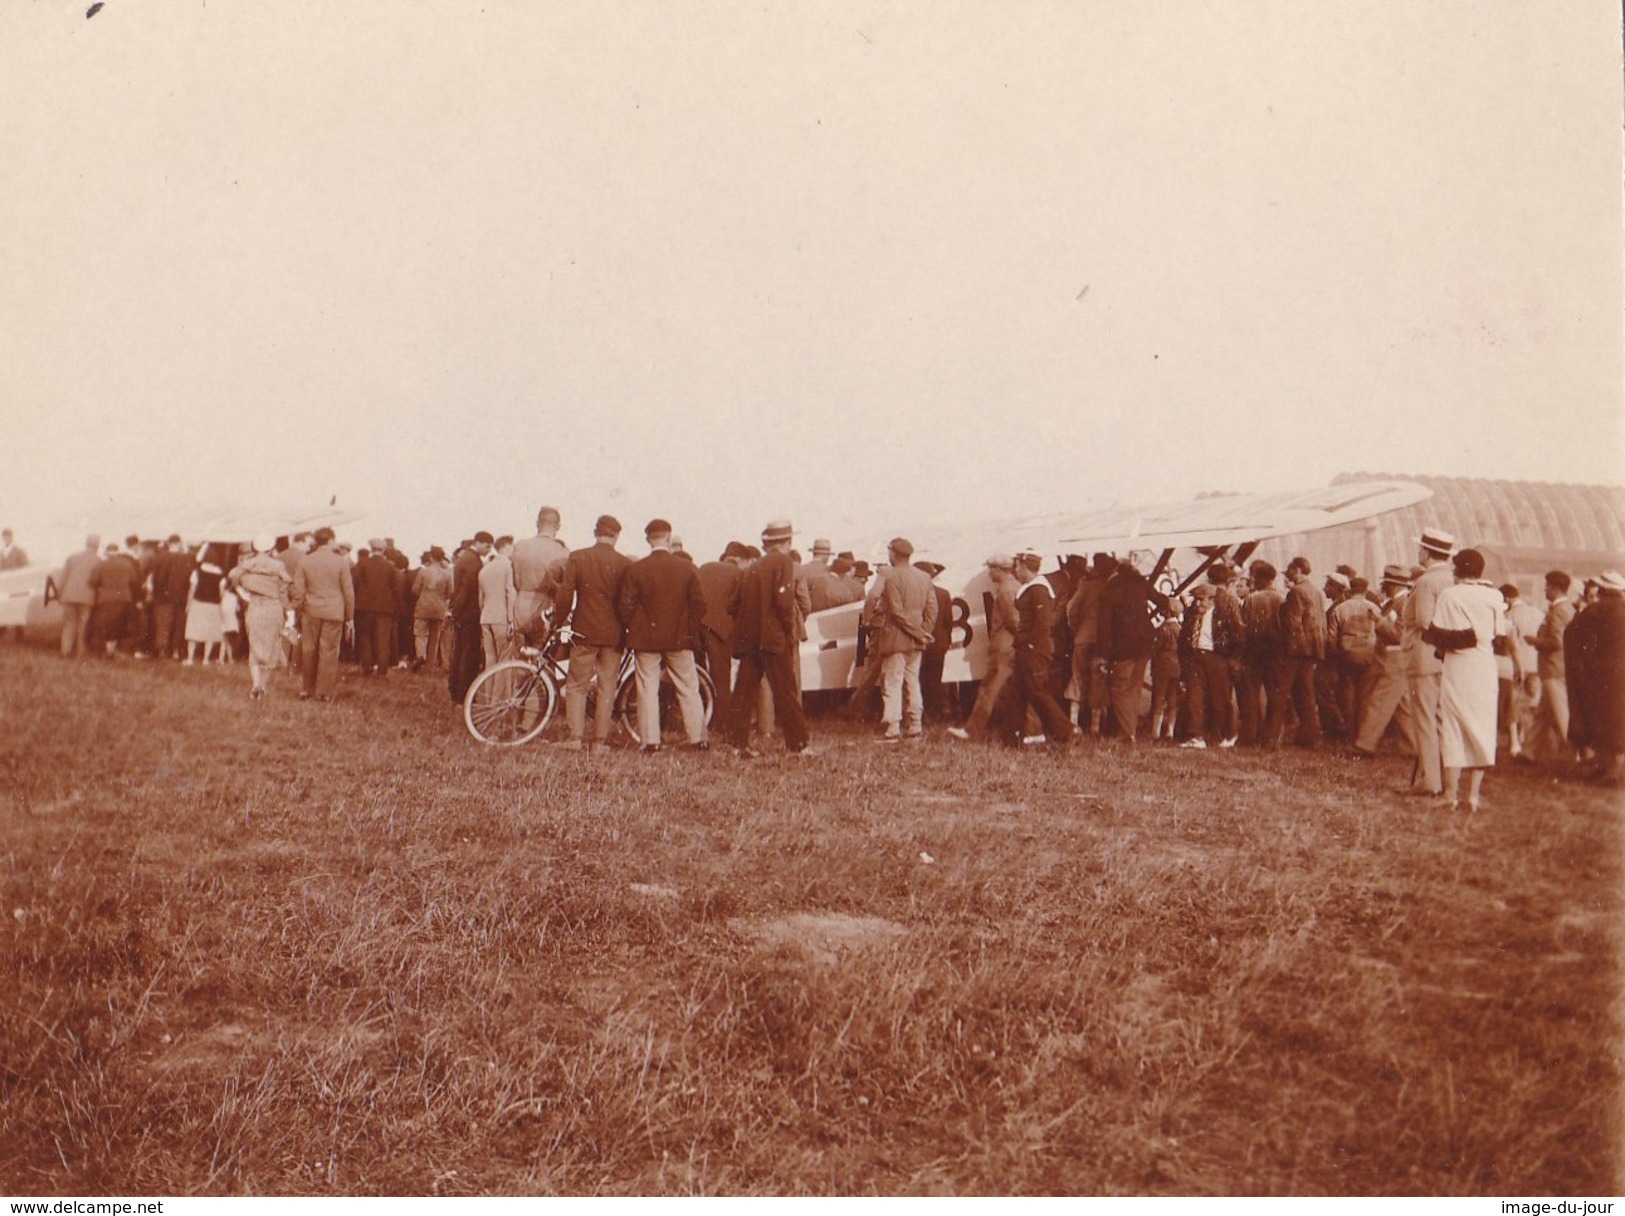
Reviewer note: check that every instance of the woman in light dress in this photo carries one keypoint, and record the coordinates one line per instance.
(1468, 618)
(263, 583)
(204, 632)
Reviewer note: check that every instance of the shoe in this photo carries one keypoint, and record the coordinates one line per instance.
(256, 694)
(749, 753)
(1229, 743)
(1034, 740)
(914, 736)
(571, 745)
(186, 663)
(890, 737)
(807, 752)
(648, 749)
(1360, 753)
(702, 746)
(960, 733)
(1198, 743)
(304, 696)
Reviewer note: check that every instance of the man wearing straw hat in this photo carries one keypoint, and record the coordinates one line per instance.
(1423, 667)
(766, 644)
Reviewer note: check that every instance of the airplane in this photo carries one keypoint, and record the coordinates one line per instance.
(24, 592)
(1203, 530)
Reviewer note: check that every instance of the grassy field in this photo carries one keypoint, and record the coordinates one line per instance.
(291, 948)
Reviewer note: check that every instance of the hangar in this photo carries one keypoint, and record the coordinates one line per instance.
(1523, 528)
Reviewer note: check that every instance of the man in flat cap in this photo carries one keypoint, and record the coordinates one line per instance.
(589, 599)
(1422, 664)
(766, 645)
(662, 606)
(902, 610)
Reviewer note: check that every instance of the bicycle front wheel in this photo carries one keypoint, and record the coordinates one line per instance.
(671, 719)
(509, 704)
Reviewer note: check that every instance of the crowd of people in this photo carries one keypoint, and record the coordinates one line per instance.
(1432, 660)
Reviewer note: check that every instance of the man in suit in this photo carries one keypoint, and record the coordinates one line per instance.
(1087, 687)
(1034, 668)
(662, 605)
(1303, 635)
(1209, 637)
(171, 574)
(1124, 639)
(901, 612)
(936, 654)
(324, 595)
(719, 584)
(117, 582)
(765, 642)
(1002, 622)
(1549, 736)
(77, 592)
(1389, 697)
(1422, 664)
(1263, 653)
(498, 599)
(377, 604)
(12, 556)
(589, 598)
(466, 657)
(538, 565)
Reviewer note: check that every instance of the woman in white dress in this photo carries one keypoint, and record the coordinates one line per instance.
(1468, 617)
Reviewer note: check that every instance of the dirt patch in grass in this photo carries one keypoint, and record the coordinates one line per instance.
(825, 936)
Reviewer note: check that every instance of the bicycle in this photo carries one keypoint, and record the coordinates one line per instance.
(514, 701)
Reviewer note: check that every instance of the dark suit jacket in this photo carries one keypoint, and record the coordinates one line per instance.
(766, 620)
(170, 578)
(1303, 620)
(662, 603)
(465, 588)
(375, 585)
(719, 583)
(590, 593)
(1126, 631)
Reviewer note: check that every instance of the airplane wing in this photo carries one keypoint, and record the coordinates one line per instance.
(1219, 520)
(1215, 522)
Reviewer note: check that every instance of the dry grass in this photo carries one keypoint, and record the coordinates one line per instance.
(285, 948)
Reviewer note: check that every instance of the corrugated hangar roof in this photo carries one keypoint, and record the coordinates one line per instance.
(1523, 527)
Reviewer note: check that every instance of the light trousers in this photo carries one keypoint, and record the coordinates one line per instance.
(685, 680)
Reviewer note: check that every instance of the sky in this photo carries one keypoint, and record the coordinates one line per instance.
(857, 264)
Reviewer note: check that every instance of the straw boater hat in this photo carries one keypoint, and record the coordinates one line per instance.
(1399, 576)
(778, 529)
(1612, 580)
(264, 543)
(1001, 561)
(821, 546)
(1436, 540)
